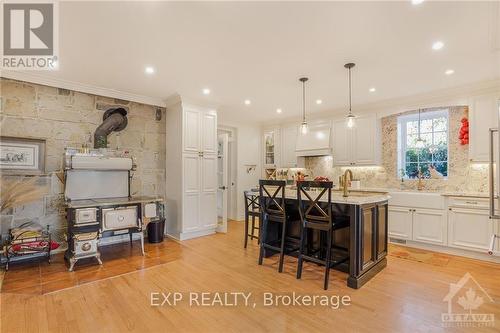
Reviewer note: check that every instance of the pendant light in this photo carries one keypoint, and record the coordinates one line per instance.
(350, 117)
(303, 125)
(420, 143)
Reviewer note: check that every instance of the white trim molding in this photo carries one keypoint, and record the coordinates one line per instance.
(36, 78)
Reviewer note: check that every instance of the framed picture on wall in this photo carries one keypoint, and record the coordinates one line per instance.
(25, 156)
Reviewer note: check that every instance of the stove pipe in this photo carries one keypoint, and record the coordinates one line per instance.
(114, 120)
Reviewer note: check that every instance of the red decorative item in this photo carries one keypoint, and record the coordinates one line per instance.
(463, 135)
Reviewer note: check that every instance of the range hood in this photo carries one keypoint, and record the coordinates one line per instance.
(316, 142)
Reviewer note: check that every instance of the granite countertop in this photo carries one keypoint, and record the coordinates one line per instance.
(111, 201)
(355, 197)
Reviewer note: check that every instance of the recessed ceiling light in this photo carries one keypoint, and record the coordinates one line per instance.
(449, 71)
(437, 45)
(149, 70)
(372, 90)
(279, 110)
(247, 102)
(416, 2)
(318, 101)
(206, 91)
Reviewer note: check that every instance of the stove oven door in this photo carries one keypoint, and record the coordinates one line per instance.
(119, 218)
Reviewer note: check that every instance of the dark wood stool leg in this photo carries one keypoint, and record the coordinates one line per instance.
(327, 259)
(253, 226)
(263, 240)
(282, 247)
(246, 230)
(302, 241)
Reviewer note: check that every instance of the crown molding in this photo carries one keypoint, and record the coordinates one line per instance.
(33, 77)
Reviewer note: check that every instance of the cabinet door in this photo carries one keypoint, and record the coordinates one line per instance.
(192, 130)
(288, 145)
(483, 115)
(470, 229)
(430, 226)
(382, 226)
(209, 132)
(364, 141)
(191, 195)
(341, 143)
(271, 148)
(368, 240)
(208, 196)
(400, 222)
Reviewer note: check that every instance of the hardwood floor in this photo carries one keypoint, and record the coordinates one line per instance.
(407, 296)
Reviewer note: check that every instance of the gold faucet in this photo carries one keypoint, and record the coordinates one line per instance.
(420, 185)
(344, 182)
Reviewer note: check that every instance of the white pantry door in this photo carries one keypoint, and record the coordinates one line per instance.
(222, 173)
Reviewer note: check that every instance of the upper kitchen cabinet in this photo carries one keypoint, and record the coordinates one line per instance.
(199, 131)
(288, 146)
(271, 148)
(483, 115)
(359, 145)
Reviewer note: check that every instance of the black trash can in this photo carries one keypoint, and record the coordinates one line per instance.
(156, 231)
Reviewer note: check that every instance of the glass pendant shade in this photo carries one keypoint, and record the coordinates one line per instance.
(303, 128)
(350, 121)
(420, 143)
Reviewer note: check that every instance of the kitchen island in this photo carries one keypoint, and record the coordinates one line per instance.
(366, 238)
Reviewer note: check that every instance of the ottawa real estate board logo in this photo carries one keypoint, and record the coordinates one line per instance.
(467, 305)
(30, 35)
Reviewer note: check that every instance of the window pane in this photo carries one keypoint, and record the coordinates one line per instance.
(411, 170)
(425, 155)
(412, 127)
(426, 126)
(440, 138)
(441, 153)
(442, 168)
(411, 155)
(427, 137)
(440, 124)
(411, 140)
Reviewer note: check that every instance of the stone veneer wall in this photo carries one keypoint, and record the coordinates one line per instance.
(462, 174)
(69, 118)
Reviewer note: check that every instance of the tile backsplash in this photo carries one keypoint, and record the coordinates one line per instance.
(462, 175)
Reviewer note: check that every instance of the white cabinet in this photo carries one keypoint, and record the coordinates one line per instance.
(317, 140)
(191, 171)
(359, 145)
(199, 131)
(288, 146)
(470, 229)
(483, 115)
(271, 148)
(400, 222)
(430, 226)
(418, 224)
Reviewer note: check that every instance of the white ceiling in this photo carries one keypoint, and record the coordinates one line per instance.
(258, 50)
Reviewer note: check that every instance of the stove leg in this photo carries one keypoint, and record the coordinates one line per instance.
(72, 262)
(142, 242)
(98, 257)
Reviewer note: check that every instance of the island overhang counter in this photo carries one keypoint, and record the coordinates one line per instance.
(366, 238)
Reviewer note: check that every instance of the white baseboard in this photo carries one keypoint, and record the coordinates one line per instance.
(453, 251)
(192, 234)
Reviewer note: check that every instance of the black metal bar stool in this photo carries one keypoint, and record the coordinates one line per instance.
(273, 210)
(315, 208)
(252, 209)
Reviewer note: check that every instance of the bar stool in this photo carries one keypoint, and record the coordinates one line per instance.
(316, 214)
(273, 210)
(252, 209)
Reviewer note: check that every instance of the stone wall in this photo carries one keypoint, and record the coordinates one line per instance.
(69, 118)
(462, 175)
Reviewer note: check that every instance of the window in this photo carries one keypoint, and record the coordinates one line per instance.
(433, 154)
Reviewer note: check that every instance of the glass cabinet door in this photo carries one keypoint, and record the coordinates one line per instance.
(269, 148)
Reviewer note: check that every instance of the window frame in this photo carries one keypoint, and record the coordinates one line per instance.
(402, 133)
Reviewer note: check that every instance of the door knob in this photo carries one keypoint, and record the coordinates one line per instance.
(222, 188)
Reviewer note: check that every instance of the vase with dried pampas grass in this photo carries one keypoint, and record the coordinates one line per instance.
(15, 192)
